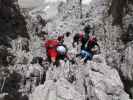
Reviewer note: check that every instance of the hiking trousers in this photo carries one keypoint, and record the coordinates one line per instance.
(86, 55)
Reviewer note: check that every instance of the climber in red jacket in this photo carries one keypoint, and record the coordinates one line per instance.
(52, 53)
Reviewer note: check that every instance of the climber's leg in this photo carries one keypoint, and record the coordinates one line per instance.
(89, 56)
(83, 56)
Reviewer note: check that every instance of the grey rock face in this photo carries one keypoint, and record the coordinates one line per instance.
(95, 81)
(99, 79)
(120, 59)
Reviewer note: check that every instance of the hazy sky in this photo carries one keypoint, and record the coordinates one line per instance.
(54, 0)
(35, 3)
(86, 1)
(29, 3)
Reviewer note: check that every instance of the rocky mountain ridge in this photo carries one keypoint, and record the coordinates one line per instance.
(107, 77)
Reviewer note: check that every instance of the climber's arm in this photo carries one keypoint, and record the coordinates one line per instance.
(96, 48)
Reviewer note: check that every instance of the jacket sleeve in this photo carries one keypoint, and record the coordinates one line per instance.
(98, 47)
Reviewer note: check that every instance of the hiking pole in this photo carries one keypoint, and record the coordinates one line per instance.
(3, 84)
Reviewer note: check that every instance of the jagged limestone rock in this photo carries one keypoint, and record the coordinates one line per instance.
(94, 81)
(97, 80)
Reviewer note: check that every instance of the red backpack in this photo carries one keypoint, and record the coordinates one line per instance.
(92, 41)
(81, 35)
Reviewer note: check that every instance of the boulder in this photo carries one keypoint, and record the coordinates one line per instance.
(60, 90)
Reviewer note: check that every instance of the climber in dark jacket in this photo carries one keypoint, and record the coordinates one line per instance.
(82, 36)
(90, 48)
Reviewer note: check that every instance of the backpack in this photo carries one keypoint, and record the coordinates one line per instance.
(92, 40)
(61, 50)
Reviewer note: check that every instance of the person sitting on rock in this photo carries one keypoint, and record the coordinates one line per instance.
(89, 49)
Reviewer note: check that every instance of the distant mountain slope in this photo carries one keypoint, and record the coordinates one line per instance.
(29, 3)
(37, 3)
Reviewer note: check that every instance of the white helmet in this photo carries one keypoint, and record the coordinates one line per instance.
(61, 49)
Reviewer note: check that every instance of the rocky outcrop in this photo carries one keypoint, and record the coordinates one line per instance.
(13, 39)
(107, 77)
(94, 81)
(126, 69)
(12, 28)
(12, 22)
(117, 29)
(61, 90)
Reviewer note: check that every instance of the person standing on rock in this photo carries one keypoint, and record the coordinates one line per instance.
(56, 50)
(52, 54)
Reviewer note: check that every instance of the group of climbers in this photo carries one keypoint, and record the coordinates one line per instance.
(56, 49)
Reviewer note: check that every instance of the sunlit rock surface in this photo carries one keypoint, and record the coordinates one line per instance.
(108, 76)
